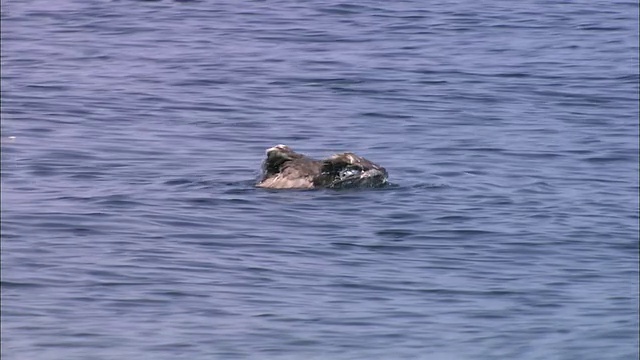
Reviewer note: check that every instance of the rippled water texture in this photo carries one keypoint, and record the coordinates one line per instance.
(133, 131)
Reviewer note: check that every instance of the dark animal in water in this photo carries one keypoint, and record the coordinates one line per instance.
(286, 169)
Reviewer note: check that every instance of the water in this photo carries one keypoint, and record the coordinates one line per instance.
(132, 134)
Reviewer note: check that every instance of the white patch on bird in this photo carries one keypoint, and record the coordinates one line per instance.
(277, 147)
(348, 173)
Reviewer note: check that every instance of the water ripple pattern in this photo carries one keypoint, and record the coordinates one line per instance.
(133, 131)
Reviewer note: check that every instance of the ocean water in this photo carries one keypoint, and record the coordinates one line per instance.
(133, 132)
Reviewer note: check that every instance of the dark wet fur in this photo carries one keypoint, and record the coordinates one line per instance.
(284, 168)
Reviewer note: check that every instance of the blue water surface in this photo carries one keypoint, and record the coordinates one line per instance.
(133, 132)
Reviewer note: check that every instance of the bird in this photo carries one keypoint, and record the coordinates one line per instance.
(284, 168)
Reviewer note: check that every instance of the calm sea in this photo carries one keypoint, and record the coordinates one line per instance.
(133, 132)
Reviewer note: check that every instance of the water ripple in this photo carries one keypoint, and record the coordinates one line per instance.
(132, 137)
